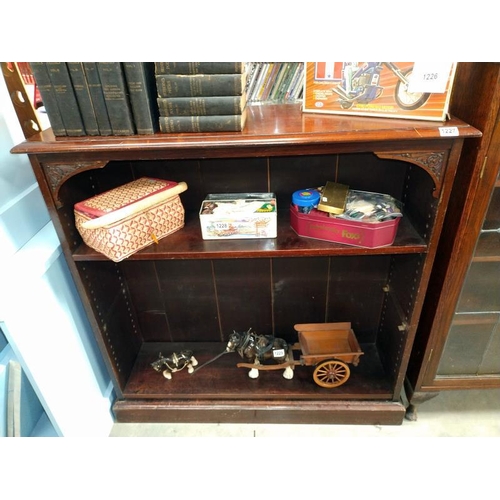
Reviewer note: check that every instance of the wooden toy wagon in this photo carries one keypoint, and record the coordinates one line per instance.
(330, 347)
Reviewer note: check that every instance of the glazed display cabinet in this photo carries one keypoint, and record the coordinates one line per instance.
(458, 339)
(190, 293)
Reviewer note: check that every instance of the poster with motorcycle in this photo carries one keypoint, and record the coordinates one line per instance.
(419, 91)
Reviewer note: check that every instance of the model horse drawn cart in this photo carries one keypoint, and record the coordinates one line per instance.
(330, 347)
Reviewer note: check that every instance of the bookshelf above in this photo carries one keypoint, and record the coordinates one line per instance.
(273, 129)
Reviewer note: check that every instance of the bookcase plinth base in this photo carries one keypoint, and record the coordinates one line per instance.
(261, 412)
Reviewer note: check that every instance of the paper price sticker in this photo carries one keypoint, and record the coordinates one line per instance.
(449, 131)
(430, 77)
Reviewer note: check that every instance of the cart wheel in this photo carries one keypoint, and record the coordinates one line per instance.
(331, 373)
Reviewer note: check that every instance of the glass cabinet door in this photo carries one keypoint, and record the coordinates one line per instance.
(473, 343)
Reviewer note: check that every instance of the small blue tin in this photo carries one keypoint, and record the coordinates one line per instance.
(305, 200)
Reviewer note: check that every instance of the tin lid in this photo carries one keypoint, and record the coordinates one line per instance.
(306, 198)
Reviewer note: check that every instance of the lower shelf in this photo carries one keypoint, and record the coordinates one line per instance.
(222, 392)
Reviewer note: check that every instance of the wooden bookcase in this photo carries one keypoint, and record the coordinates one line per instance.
(458, 340)
(187, 292)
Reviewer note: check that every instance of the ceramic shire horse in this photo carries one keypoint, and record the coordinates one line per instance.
(259, 348)
(174, 363)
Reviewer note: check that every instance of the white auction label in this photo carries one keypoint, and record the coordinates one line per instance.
(449, 131)
(430, 77)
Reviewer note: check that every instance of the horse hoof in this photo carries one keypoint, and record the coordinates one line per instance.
(288, 373)
(167, 374)
(194, 361)
(253, 373)
(190, 369)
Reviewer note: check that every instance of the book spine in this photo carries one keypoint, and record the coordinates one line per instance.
(200, 85)
(66, 98)
(98, 102)
(270, 81)
(285, 82)
(298, 90)
(142, 93)
(258, 83)
(49, 100)
(297, 84)
(201, 106)
(214, 123)
(264, 81)
(82, 92)
(115, 94)
(273, 95)
(198, 68)
(252, 83)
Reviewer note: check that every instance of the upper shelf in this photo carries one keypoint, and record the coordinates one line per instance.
(188, 244)
(275, 128)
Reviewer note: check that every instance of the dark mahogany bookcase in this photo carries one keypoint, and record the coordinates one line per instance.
(189, 293)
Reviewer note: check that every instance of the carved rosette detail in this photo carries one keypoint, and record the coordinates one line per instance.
(432, 162)
(58, 173)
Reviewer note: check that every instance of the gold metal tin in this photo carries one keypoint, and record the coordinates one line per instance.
(333, 198)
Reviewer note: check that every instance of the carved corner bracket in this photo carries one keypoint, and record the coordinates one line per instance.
(58, 173)
(433, 162)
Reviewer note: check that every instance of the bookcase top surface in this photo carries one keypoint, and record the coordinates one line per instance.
(267, 126)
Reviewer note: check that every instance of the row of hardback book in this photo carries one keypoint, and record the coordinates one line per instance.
(98, 98)
(113, 98)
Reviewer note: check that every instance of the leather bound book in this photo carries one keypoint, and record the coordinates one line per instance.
(213, 123)
(200, 85)
(82, 92)
(202, 106)
(95, 88)
(114, 89)
(66, 98)
(44, 84)
(140, 78)
(198, 68)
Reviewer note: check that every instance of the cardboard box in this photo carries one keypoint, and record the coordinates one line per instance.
(419, 91)
(321, 226)
(238, 216)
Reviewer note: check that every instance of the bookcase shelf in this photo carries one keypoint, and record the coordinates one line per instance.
(186, 292)
(188, 244)
(222, 381)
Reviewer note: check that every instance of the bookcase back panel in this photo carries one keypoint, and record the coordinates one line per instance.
(281, 175)
(366, 172)
(205, 300)
(356, 292)
(245, 295)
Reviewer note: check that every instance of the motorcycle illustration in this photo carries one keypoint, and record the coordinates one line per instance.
(362, 85)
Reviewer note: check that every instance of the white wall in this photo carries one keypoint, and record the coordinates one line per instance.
(40, 311)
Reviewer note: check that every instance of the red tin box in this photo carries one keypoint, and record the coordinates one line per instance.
(319, 225)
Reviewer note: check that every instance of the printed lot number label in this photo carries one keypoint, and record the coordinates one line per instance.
(430, 77)
(449, 131)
